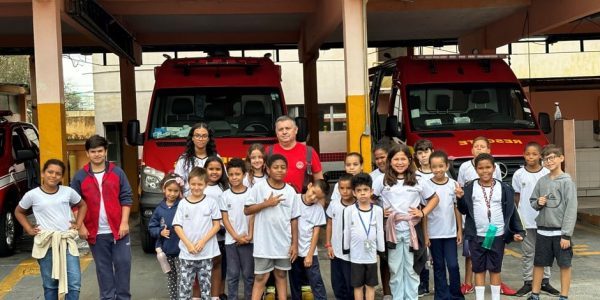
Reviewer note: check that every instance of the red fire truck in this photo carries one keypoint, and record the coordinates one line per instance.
(451, 99)
(238, 97)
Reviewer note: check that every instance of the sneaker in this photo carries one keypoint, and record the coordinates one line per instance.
(270, 290)
(223, 297)
(547, 288)
(524, 290)
(388, 297)
(423, 291)
(533, 297)
(506, 290)
(466, 288)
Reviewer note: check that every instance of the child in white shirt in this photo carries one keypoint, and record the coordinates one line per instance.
(312, 217)
(363, 237)
(276, 207)
(196, 222)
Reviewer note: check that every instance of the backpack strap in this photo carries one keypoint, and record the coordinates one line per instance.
(309, 151)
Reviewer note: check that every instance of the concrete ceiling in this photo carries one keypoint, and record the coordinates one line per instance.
(173, 24)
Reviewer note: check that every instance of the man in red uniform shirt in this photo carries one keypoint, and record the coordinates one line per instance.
(295, 153)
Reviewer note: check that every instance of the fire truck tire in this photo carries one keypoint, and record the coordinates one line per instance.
(8, 233)
(148, 243)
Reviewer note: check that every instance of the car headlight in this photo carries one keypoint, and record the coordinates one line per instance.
(151, 179)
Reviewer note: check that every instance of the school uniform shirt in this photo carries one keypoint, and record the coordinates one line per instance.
(196, 221)
(441, 221)
(215, 192)
(233, 204)
(480, 210)
(272, 225)
(311, 216)
(335, 212)
(523, 182)
(376, 173)
(360, 226)
(424, 175)
(335, 195)
(51, 211)
(400, 197)
(255, 180)
(467, 172)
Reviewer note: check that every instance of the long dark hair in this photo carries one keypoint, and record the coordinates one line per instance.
(391, 176)
(190, 151)
(223, 182)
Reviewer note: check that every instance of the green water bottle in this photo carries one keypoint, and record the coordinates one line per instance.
(490, 235)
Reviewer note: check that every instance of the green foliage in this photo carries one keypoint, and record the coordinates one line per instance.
(14, 69)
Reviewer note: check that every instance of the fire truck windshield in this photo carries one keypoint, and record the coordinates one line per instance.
(229, 112)
(468, 106)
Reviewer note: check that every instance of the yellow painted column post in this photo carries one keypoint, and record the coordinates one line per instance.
(129, 112)
(357, 88)
(49, 79)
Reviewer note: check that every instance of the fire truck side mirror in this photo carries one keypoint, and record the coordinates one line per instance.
(392, 128)
(544, 119)
(134, 137)
(302, 124)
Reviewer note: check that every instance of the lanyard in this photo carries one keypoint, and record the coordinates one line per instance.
(488, 200)
(366, 228)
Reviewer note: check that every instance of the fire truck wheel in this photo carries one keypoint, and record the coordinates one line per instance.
(7, 233)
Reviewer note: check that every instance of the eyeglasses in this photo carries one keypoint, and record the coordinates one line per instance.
(549, 158)
(200, 136)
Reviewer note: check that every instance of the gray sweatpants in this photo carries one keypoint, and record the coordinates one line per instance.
(528, 249)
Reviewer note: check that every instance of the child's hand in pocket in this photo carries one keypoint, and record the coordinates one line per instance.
(565, 244)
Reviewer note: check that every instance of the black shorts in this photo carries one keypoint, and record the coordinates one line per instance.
(547, 248)
(363, 274)
(484, 259)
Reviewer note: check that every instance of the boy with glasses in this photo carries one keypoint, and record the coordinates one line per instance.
(555, 197)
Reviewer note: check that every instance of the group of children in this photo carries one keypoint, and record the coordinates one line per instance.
(405, 209)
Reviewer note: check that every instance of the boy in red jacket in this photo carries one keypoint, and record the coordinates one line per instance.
(106, 190)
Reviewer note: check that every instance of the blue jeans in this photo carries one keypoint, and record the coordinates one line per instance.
(240, 263)
(313, 274)
(443, 252)
(51, 285)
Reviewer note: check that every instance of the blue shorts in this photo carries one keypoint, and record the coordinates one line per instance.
(487, 259)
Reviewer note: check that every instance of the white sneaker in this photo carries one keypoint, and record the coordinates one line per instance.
(388, 297)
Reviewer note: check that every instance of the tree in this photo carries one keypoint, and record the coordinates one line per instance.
(14, 69)
(72, 98)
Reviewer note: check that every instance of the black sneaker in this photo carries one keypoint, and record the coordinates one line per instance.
(547, 288)
(533, 297)
(524, 290)
(423, 291)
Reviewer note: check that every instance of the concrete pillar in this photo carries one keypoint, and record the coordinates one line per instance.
(33, 91)
(49, 79)
(129, 112)
(565, 138)
(311, 99)
(355, 60)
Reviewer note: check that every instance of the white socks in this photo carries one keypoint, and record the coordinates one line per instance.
(480, 292)
(495, 292)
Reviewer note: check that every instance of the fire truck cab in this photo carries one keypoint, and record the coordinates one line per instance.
(450, 100)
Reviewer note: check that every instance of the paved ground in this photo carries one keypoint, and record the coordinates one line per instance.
(19, 274)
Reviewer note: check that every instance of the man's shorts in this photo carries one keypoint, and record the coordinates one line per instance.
(547, 248)
(363, 274)
(484, 259)
(266, 265)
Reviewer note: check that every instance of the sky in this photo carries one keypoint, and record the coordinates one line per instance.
(77, 72)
